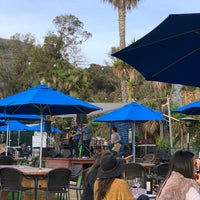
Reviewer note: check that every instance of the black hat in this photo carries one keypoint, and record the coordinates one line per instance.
(111, 167)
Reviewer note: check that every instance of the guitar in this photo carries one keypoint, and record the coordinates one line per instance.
(73, 134)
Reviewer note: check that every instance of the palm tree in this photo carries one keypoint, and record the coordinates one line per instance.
(122, 6)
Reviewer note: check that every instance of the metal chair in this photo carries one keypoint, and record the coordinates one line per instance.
(147, 158)
(58, 181)
(11, 181)
(78, 184)
(135, 170)
(76, 170)
(6, 160)
(161, 171)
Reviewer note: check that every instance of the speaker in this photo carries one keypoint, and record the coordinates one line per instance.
(81, 119)
(47, 126)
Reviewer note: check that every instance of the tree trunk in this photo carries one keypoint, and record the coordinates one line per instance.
(122, 21)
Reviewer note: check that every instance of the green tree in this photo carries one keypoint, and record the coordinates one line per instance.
(69, 38)
(14, 64)
(63, 49)
(104, 83)
(56, 61)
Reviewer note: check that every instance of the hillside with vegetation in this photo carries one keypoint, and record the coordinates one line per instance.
(57, 62)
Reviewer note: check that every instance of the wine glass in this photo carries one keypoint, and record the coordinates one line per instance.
(137, 184)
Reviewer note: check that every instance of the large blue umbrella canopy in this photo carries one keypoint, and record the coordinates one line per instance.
(189, 109)
(42, 100)
(131, 113)
(169, 53)
(36, 127)
(46, 101)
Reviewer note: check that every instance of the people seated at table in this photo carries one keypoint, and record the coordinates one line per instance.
(180, 184)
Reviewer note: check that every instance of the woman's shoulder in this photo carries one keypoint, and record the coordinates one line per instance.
(119, 181)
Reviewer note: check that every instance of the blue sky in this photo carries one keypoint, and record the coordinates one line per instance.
(100, 19)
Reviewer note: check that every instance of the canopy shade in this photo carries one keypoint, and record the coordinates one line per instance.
(169, 53)
(189, 109)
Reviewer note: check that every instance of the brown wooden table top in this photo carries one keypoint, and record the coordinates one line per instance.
(27, 170)
(70, 159)
(146, 165)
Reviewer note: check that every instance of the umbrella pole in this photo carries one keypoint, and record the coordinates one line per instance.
(7, 140)
(18, 138)
(133, 140)
(41, 140)
(170, 124)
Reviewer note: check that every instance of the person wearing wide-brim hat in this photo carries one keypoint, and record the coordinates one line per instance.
(109, 183)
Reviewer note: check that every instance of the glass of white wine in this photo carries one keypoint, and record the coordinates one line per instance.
(136, 185)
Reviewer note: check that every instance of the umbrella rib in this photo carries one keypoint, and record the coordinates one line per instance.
(168, 66)
(16, 108)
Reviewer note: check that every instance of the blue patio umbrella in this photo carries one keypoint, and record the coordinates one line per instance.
(14, 125)
(46, 101)
(36, 127)
(189, 109)
(169, 53)
(15, 117)
(131, 113)
(42, 100)
(19, 116)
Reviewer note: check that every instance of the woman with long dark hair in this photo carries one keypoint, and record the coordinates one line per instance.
(90, 176)
(180, 184)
